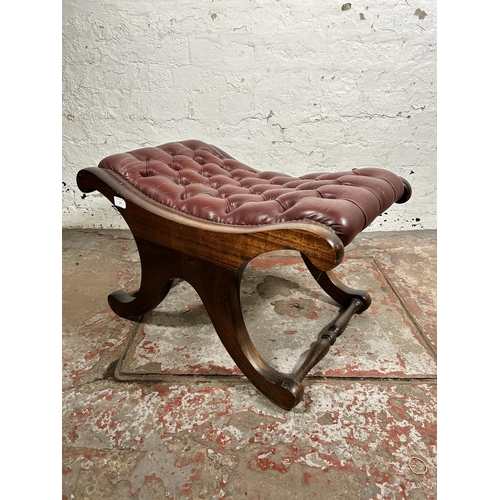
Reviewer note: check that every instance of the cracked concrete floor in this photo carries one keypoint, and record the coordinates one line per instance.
(188, 425)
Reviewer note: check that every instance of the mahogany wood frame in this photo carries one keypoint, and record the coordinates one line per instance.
(212, 258)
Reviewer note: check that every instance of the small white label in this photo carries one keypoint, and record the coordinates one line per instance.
(120, 202)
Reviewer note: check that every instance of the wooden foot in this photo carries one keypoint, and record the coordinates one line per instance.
(158, 266)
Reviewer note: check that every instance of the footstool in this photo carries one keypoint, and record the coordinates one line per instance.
(200, 215)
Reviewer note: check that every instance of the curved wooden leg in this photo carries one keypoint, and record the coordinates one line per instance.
(337, 290)
(219, 289)
(158, 266)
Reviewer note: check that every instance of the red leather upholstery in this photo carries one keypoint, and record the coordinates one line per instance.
(195, 178)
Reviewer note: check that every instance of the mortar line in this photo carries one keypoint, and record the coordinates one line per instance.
(410, 315)
(241, 379)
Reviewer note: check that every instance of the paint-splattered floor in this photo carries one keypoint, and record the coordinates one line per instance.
(192, 427)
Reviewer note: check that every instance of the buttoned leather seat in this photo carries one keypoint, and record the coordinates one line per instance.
(199, 180)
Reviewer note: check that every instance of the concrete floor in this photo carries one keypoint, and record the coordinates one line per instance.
(190, 426)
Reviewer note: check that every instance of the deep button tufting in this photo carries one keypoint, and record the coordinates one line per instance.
(194, 178)
(273, 193)
(213, 169)
(222, 181)
(198, 189)
(227, 190)
(289, 198)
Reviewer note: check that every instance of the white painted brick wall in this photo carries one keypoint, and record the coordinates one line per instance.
(293, 86)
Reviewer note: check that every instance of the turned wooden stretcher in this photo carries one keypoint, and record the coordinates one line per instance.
(198, 214)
